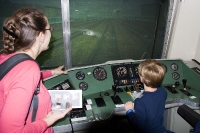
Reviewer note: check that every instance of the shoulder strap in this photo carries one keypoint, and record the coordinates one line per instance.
(6, 66)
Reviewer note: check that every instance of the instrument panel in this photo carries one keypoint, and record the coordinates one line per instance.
(125, 74)
(111, 84)
(102, 77)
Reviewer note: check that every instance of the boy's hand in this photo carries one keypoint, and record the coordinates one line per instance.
(129, 105)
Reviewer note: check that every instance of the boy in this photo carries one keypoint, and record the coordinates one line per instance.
(146, 113)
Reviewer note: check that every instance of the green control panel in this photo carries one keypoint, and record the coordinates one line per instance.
(107, 87)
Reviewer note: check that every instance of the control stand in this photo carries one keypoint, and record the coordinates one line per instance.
(172, 88)
(115, 98)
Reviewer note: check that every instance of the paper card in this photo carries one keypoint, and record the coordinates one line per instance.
(192, 97)
(88, 107)
(60, 98)
(89, 101)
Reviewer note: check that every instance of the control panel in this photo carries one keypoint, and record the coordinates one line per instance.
(107, 87)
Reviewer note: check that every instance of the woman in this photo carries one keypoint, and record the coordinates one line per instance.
(26, 31)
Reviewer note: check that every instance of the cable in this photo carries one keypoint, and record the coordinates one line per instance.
(71, 125)
(156, 29)
(154, 38)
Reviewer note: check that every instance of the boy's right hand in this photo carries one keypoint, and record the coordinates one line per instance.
(129, 105)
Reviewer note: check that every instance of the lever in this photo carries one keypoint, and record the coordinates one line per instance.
(184, 84)
(114, 88)
(173, 88)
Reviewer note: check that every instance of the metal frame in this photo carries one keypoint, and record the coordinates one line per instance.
(170, 26)
(66, 29)
(66, 32)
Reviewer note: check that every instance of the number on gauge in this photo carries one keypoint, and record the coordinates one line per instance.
(99, 73)
(80, 75)
(83, 86)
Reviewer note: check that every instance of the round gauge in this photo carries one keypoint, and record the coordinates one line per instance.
(99, 73)
(174, 66)
(83, 86)
(121, 71)
(80, 75)
(175, 76)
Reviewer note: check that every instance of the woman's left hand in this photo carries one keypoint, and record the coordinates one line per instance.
(58, 70)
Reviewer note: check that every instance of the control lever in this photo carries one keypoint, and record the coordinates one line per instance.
(184, 81)
(174, 87)
(115, 98)
(114, 88)
(184, 85)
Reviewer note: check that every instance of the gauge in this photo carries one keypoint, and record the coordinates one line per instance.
(83, 86)
(174, 66)
(80, 75)
(121, 71)
(99, 73)
(131, 72)
(175, 76)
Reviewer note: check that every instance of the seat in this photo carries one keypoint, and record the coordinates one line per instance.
(189, 115)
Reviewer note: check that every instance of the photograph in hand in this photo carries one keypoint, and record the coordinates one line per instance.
(62, 98)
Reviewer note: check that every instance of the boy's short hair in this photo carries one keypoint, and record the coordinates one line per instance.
(151, 72)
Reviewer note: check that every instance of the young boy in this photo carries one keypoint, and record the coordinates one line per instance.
(146, 113)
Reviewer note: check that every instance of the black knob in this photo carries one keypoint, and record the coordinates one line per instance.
(177, 83)
(114, 87)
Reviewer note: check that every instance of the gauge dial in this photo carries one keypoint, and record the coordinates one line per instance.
(174, 66)
(83, 86)
(121, 71)
(99, 73)
(175, 76)
(80, 75)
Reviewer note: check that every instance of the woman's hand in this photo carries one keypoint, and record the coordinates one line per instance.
(58, 70)
(129, 105)
(56, 115)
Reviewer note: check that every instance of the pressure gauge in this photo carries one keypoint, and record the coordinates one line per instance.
(80, 75)
(175, 76)
(83, 86)
(174, 66)
(99, 73)
(121, 71)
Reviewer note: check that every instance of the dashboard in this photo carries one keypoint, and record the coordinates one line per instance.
(109, 85)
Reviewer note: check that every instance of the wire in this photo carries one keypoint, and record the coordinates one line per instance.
(71, 125)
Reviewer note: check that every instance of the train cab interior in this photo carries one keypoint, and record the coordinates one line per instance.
(101, 44)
